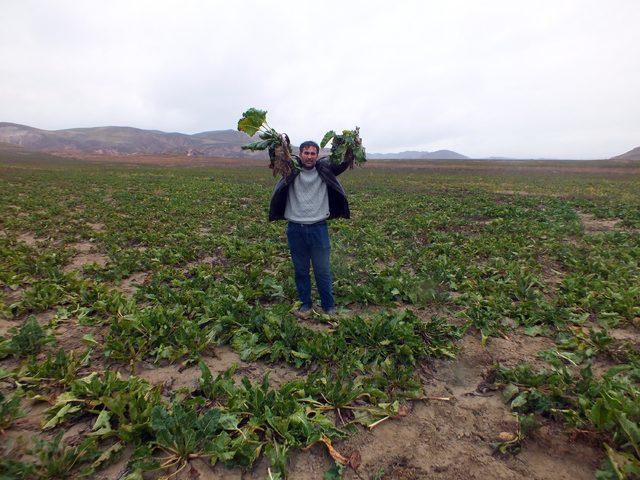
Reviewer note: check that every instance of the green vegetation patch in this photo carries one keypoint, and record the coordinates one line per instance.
(429, 256)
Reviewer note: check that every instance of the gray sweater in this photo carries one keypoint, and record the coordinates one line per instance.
(308, 200)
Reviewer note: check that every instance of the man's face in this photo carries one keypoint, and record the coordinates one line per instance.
(309, 156)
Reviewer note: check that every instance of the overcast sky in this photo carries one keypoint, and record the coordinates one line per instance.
(551, 78)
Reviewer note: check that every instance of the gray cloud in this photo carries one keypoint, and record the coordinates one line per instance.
(543, 79)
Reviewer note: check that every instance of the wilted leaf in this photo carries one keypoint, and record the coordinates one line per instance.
(509, 392)
(337, 456)
(102, 426)
(59, 417)
(506, 437)
(520, 400)
(631, 430)
(107, 454)
(622, 463)
(533, 331)
(88, 338)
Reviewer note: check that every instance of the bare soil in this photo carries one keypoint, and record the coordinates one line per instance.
(212, 260)
(28, 238)
(130, 285)
(627, 333)
(594, 225)
(82, 247)
(12, 296)
(86, 258)
(451, 439)
(97, 227)
(6, 325)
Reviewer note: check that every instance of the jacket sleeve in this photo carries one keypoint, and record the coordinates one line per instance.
(338, 169)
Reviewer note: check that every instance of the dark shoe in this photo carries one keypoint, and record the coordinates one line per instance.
(331, 311)
(304, 311)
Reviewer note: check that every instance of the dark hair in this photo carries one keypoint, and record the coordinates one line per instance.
(309, 143)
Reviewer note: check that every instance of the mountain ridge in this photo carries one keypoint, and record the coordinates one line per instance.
(124, 140)
(418, 155)
(633, 154)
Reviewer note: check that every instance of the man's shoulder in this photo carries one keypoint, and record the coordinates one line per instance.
(323, 163)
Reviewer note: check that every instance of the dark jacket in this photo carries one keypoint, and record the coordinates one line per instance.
(338, 204)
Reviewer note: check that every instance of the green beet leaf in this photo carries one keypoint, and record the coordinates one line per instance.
(327, 137)
(251, 121)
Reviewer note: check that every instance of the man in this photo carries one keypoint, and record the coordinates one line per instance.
(307, 198)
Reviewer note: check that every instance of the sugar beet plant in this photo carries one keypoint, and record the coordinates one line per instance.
(346, 146)
(27, 340)
(607, 407)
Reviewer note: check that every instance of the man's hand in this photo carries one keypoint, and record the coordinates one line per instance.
(349, 157)
(278, 152)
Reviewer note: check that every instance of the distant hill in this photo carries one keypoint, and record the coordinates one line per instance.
(414, 155)
(10, 148)
(630, 155)
(128, 141)
(15, 153)
(136, 141)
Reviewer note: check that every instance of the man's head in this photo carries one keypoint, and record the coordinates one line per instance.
(309, 151)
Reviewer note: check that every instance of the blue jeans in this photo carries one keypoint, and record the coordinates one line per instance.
(309, 244)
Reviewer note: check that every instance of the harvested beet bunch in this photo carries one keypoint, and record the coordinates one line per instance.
(282, 161)
(346, 147)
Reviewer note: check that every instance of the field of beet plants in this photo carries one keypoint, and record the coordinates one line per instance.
(488, 326)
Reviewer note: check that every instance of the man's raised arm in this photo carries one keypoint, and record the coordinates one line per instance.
(337, 169)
